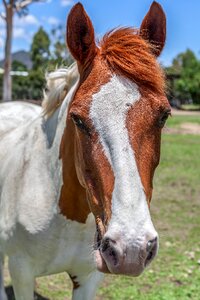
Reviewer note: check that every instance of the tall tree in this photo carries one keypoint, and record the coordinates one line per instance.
(60, 54)
(186, 72)
(40, 49)
(188, 85)
(11, 7)
(40, 54)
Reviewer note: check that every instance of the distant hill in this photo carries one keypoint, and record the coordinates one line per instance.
(21, 56)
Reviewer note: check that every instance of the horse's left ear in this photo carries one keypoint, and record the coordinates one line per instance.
(153, 28)
(80, 35)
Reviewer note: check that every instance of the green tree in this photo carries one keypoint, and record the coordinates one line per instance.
(11, 7)
(36, 84)
(40, 55)
(60, 54)
(186, 69)
(18, 66)
(40, 49)
(20, 90)
(185, 60)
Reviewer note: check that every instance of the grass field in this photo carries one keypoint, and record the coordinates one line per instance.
(190, 106)
(177, 120)
(175, 274)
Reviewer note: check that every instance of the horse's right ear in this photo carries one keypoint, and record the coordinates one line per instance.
(80, 35)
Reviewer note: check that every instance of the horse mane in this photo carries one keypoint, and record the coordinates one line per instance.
(58, 84)
(128, 54)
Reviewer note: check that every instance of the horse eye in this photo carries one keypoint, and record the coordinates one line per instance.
(163, 118)
(80, 124)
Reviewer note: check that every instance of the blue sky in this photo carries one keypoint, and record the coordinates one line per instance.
(183, 21)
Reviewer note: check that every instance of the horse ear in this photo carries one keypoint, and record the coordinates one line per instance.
(80, 35)
(153, 28)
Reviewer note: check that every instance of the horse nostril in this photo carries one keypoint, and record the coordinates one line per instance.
(105, 244)
(109, 250)
(151, 249)
(151, 244)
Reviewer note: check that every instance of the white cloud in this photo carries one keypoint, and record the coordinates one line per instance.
(30, 19)
(26, 20)
(20, 22)
(1, 42)
(19, 32)
(45, 2)
(2, 22)
(67, 2)
(53, 21)
(2, 32)
(21, 29)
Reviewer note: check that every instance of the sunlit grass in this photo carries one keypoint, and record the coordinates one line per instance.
(190, 106)
(176, 121)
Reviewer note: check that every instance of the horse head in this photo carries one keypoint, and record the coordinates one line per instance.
(115, 120)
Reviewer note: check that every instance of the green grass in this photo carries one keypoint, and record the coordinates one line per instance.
(190, 106)
(176, 121)
(175, 209)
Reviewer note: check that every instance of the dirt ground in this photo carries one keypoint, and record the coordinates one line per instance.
(177, 112)
(185, 128)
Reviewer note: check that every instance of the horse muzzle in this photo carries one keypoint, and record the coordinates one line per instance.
(115, 256)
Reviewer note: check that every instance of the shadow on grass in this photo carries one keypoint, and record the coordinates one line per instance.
(10, 294)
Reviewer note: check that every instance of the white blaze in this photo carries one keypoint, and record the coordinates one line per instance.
(130, 214)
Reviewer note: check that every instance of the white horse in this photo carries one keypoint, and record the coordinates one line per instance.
(14, 114)
(76, 176)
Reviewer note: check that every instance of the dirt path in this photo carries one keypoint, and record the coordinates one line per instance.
(177, 112)
(185, 128)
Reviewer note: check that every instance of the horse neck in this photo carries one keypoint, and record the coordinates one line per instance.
(60, 136)
(73, 199)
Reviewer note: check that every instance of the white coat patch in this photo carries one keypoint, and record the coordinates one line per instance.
(31, 172)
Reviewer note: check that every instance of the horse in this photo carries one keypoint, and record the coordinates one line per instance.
(76, 175)
(13, 114)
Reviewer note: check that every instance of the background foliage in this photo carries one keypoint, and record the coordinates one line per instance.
(185, 75)
(47, 53)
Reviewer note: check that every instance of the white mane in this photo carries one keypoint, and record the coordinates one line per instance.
(58, 85)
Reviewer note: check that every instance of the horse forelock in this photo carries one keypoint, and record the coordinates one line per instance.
(129, 55)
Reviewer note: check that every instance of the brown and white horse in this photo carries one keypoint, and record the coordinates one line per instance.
(76, 182)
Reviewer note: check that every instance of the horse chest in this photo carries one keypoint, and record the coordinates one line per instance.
(65, 246)
(71, 248)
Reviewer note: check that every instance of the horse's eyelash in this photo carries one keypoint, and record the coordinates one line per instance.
(81, 124)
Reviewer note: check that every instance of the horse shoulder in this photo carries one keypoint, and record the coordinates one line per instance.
(24, 166)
